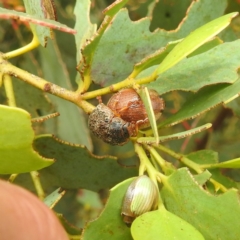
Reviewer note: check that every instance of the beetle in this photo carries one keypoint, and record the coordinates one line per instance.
(110, 128)
(124, 114)
(128, 105)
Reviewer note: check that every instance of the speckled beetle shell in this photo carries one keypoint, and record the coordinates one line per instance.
(128, 105)
(141, 196)
(111, 129)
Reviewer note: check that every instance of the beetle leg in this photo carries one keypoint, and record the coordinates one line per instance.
(99, 98)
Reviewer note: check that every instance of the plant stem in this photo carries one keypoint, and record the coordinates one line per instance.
(166, 167)
(7, 81)
(154, 175)
(196, 167)
(40, 83)
(218, 185)
(37, 184)
(33, 44)
(127, 83)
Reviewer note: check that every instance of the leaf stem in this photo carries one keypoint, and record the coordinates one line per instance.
(154, 175)
(127, 83)
(196, 167)
(166, 167)
(217, 185)
(33, 44)
(37, 184)
(45, 86)
(7, 81)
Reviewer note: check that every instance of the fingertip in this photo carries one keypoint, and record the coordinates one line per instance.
(24, 216)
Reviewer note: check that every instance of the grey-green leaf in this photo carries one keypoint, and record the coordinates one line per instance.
(76, 167)
(212, 215)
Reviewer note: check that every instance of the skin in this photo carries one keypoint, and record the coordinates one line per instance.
(24, 216)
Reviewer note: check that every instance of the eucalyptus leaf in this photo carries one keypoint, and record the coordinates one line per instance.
(162, 224)
(209, 214)
(76, 167)
(16, 137)
(203, 177)
(69, 228)
(114, 8)
(194, 41)
(203, 101)
(71, 124)
(144, 94)
(206, 156)
(125, 43)
(218, 65)
(85, 29)
(154, 59)
(234, 163)
(53, 198)
(169, 14)
(110, 225)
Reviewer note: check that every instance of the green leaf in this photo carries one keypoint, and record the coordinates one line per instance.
(144, 94)
(204, 157)
(208, 68)
(162, 224)
(203, 101)
(53, 198)
(69, 228)
(154, 59)
(71, 124)
(114, 8)
(85, 29)
(110, 225)
(203, 177)
(84, 66)
(76, 167)
(125, 42)
(211, 215)
(169, 14)
(39, 104)
(194, 41)
(234, 163)
(207, 46)
(145, 66)
(16, 136)
(218, 176)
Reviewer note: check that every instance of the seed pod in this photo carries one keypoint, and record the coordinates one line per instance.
(141, 196)
(111, 129)
(128, 105)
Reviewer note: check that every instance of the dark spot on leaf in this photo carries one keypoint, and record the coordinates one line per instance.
(167, 15)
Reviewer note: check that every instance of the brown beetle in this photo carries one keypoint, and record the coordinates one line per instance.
(110, 128)
(128, 105)
(123, 116)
